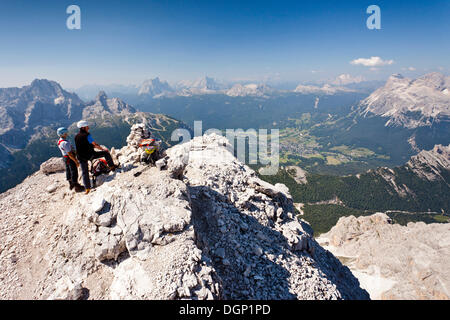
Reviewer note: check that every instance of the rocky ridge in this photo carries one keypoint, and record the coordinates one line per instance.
(428, 164)
(203, 227)
(393, 261)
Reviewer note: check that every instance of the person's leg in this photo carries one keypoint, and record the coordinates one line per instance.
(85, 172)
(73, 171)
(68, 170)
(74, 177)
(69, 173)
(104, 154)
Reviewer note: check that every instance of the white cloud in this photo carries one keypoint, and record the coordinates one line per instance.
(372, 62)
(344, 79)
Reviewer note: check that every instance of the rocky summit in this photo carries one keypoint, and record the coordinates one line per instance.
(199, 225)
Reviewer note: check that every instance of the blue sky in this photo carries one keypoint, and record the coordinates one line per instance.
(129, 41)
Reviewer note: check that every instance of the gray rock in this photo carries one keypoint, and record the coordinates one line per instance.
(161, 163)
(110, 248)
(67, 289)
(410, 261)
(53, 165)
(51, 188)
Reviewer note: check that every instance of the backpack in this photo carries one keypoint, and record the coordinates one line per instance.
(99, 166)
(151, 150)
(148, 145)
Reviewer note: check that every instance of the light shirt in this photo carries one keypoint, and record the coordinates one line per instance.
(65, 147)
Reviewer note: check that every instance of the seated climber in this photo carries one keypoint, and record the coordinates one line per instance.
(86, 146)
(70, 160)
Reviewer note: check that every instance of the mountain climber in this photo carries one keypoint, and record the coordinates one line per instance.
(86, 146)
(70, 159)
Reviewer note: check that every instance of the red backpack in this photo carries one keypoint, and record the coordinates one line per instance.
(99, 166)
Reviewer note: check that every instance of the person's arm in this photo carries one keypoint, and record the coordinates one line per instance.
(95, 144)
(71, 155)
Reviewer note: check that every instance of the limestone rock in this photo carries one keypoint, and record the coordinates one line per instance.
(53, 165)
(66, 289)
(394, 261)
(51, 188)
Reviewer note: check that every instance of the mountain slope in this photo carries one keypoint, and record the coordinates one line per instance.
(411, 103)
(421, 186)
(205, 227)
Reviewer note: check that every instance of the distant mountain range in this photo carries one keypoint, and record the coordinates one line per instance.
(398, 119)
(157, 88)
(326, 89)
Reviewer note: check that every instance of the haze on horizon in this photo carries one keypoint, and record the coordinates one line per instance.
(264, 41)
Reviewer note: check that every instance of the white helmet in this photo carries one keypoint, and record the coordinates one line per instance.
(82, 124)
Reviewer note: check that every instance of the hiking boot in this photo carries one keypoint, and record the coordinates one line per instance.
(114, 167)
(79, 188)
(71, 185)
(87, 191)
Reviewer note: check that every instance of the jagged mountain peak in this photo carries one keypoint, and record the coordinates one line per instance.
(44, 83)
(106, 106)
(154, 87)
(102, 97)
(411, 103)
(39, 90)
(41, 103)
(205, 82)
(201, 227)
(43, 89)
